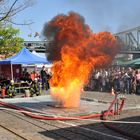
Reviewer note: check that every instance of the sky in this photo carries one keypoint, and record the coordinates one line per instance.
(101, 15)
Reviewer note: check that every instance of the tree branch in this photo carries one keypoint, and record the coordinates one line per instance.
(7, 14)
(20, 23)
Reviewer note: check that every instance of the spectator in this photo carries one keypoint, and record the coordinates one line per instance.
(25, 75)
(43, 75)
(48, 75)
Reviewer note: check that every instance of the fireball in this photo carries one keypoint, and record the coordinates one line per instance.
(76, 50)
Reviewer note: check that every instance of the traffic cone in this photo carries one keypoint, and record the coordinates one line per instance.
(112, 91)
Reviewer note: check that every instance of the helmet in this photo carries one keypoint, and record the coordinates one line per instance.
(35, 79)
(12, 81)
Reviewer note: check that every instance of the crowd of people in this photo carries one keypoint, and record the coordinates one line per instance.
(122, 80)
(34, 82)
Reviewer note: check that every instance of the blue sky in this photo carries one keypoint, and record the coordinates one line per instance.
(100, 15)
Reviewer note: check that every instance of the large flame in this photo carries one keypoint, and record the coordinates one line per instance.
(76, 50)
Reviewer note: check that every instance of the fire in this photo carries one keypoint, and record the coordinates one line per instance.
(75, 52)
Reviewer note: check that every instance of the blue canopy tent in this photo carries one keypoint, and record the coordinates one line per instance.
(24, 56)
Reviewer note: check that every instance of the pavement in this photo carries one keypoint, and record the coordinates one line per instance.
(132, 100)
(44, 104)
(91, 102)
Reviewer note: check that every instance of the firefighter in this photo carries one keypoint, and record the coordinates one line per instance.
(35, 88)
(11, 89)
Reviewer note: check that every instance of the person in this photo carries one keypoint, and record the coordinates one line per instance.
(48, 75)
(25, 75)
(35, 88)
(127, 82)
(33, 75)
(116, 83)
(11, 89)
(43, 75)
(29, 80)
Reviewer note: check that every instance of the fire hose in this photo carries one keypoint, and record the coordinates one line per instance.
(110, 111)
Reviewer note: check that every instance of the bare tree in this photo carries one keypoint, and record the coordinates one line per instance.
(9, 9)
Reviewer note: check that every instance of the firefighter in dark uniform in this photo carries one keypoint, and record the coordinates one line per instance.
(11, 92)
(35, 88)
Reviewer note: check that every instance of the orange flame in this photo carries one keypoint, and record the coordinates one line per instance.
(76, 52)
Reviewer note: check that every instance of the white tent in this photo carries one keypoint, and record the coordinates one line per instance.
(39, 54)
(42, 55)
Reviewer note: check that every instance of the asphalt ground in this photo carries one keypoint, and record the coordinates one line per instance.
(91, 102)
(30, 128)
